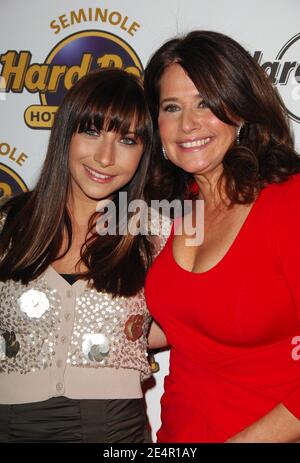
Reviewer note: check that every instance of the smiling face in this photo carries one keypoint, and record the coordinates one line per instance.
(102, 162)
(194, 138)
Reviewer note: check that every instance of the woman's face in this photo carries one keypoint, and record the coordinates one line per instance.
(194, 138)
(102, 162)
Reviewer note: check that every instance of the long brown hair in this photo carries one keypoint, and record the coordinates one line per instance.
(234, 87)
(36, 221)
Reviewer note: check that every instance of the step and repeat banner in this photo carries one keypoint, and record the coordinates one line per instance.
(45, 46)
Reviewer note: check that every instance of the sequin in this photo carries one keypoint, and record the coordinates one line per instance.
(2, 348)
(12, 346)
(33, 303)
(32, 332)
(95, 346)
(134, 327)
(122, 323)
(107, 316)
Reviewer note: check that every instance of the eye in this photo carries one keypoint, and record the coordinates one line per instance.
(171, 108)
(203, 104)
(128, 140)
(91, 132)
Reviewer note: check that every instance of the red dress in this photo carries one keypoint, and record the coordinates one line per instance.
(233, 329)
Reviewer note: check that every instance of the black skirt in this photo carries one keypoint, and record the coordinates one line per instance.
(66, 420)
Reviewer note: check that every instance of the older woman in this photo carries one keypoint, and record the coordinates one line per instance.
(230, 307)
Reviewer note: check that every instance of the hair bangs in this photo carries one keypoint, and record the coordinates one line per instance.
(211, 88)
(119, 109)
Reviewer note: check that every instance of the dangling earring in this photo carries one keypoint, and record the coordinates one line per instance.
(164, 153)
(238, 134)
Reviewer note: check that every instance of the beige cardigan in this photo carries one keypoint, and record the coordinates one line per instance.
(71, 341)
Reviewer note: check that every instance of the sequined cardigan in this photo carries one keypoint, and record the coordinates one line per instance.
(60, 339)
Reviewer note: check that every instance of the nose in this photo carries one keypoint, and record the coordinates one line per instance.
(189, 120)
(104, 154)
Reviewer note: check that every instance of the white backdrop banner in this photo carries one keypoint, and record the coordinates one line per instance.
(45, 46)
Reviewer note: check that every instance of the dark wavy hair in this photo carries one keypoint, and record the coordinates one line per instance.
(234, 87)
(36, 221)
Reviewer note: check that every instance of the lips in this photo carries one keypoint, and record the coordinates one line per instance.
(196, 143)
(98, 176)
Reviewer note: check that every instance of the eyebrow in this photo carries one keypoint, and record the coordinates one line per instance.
(166, 100)
(169, 99)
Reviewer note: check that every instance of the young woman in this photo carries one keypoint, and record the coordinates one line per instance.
(230, 307)
(73, 320)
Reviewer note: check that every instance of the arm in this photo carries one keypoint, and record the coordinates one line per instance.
(277, 426)
(156, 337)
